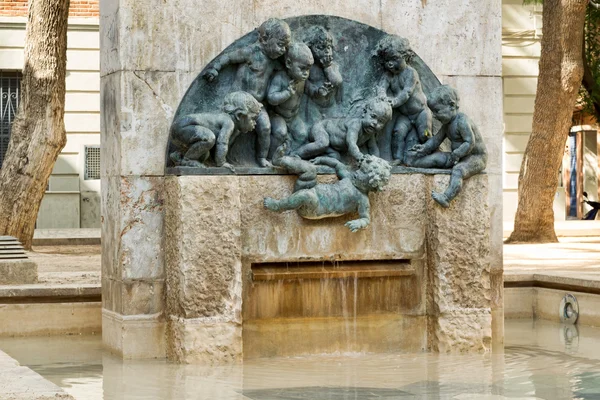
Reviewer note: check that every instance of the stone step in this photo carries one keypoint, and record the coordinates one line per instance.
(11, 249)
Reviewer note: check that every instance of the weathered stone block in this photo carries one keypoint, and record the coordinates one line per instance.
(18, 272)
(462, 330)
(141, 226)
(134, 337)
(204, 341)
(459, 248)
(204, 277)
(142, 297)
(133, 297)
(134, 140)
(132, 226)
(453, 38)
(112, 295)
(184, 35)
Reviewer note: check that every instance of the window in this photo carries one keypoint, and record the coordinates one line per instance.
(10, 86)
(92, 162)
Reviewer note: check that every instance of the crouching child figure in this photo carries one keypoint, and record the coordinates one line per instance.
(349, 194)
(468, 156)
(195, 135)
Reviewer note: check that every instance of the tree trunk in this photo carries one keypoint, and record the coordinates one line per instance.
(561, 71)
(38, 131)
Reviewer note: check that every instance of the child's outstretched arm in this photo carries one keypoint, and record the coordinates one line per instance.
(340, 169)
(353, 132)
(432, 144)
(233, 57)
(364, 212)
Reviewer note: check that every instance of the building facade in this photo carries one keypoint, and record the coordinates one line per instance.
(72, 199)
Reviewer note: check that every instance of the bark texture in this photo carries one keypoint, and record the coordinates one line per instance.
(561, 72)
(38, 131)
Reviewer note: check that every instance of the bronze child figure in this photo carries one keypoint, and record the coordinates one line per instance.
(256, 65)
(325, 81)
(468, 156)
(195, 135)
(285, 95)
(402, 84)
(350, 194)
(333, 136)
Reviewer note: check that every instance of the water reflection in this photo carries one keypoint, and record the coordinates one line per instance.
(541, 361)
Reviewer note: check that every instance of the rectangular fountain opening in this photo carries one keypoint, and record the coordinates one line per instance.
(293, 308)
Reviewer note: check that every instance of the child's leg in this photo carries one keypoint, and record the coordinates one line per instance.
(298, 132)
(423, 123)
(202, 141)
(306, 171)
(401, 129)
(263, 133)
(436, 160)
(319, 144)
(303, 198)
(466, 168)
(279, 134)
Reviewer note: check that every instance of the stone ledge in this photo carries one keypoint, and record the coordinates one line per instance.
(50, 319)
(588, 283)
(39, 293)
(21, 383)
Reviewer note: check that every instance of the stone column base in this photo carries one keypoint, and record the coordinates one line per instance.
(204, 341)
(464, 330)
(134, 336)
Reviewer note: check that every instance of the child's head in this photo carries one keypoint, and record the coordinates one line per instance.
(298, 61)
(394, 53)
(274, 35)
(243, 109)
(320, 42)
(443, 102)
(376, 113)
(373, 173)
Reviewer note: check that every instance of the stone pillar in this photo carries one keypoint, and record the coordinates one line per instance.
(204, 252)
(458, 250)
(140, 89)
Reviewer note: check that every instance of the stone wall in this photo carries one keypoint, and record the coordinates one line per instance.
(151, 51)
(216, 227)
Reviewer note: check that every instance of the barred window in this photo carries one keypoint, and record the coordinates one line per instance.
(92, 162)
(10, 90)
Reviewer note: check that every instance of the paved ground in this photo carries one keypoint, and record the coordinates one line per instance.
(573, 254)
(67, 264)
(572, 264)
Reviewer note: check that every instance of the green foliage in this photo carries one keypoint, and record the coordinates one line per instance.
(528, 2)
